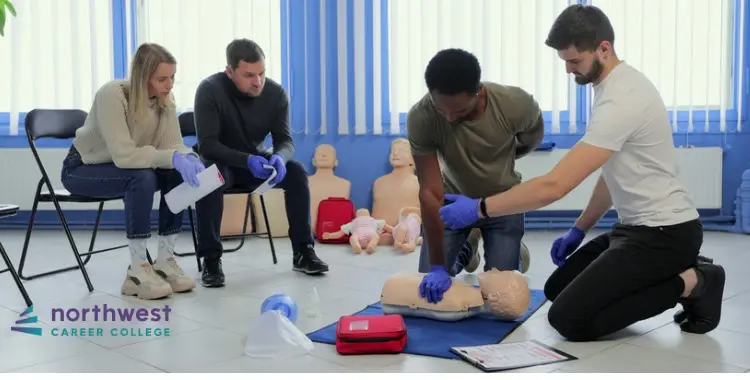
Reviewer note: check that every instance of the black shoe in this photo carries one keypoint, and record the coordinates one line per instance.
(213, 275)
(703, 309)
(307, 261)
(681, 315)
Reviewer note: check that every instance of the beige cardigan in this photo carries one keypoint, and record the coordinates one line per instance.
(107, 136)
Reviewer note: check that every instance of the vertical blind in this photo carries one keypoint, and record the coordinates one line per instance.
(355, 67)
(197, 33)
(51, 56)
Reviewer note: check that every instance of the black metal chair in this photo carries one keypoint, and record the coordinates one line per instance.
(187, 127)
(59, 124)
(6, 211)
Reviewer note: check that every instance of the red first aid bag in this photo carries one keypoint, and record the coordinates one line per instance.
(370, 334)
(332, 214)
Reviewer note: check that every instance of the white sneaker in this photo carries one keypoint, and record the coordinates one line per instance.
(145, 284)
(171, 272)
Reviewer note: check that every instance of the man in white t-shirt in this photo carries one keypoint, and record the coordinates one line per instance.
(649, 262)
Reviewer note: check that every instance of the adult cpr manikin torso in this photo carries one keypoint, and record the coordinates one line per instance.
(396, 190)
(324, 183)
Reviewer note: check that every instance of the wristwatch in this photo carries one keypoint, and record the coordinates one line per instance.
(483, 208)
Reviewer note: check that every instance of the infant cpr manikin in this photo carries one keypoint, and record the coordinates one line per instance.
(401, 296)
(406, 232)
(502, 295)
(364, 232)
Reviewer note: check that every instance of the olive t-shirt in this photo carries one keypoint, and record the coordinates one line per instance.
(477, 157)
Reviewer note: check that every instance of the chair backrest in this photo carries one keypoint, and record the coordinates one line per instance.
(187, 124)
(54, 123)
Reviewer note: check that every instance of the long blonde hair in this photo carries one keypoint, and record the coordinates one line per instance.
(147, 59)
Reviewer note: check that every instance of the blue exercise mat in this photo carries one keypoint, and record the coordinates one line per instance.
(429, 337)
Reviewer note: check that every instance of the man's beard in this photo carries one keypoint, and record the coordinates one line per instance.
(594, 73)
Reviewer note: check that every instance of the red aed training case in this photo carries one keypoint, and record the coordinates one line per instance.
(370, 334)
(332, 214)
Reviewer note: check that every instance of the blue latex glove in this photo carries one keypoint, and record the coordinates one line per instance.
(188, 166)
(255, 164)
(278, 163)
(435, 283)
(461, 213)
(566, 244)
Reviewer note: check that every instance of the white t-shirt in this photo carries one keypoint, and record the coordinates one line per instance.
(630, 118)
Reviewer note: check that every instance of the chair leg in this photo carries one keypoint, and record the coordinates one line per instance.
(243, 234)
(71, 240)
(268, 229)
(16, 278)
(194, 235)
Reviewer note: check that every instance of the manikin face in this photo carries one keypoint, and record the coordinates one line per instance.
(161, 82)
(325, 156)
(587, 66)
(249, 77)
(401, 154)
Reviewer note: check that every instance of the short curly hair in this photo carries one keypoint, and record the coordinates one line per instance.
(453, 72)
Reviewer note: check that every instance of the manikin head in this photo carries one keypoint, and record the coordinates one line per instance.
(246, 66)
(400, 155)
(584, 38)
(453, 80)
(406, 211)
(363, 212)
(325, 157)
(152, 75)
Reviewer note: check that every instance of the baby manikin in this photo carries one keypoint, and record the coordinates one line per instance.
(406, 232)
(504, 295)
(364, 232)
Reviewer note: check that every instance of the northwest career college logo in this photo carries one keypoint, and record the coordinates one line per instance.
(29, 319)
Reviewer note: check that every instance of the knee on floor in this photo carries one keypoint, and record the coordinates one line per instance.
(570, 328)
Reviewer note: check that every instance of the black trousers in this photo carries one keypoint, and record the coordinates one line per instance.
(626, 275)
(210, 208)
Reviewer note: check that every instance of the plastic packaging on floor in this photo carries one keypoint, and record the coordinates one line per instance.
(274, 336)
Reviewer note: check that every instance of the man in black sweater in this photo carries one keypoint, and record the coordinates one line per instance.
(235, 111)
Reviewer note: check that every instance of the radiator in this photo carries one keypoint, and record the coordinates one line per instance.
(701, 170)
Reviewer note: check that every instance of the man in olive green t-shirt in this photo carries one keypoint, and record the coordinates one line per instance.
(465, 137)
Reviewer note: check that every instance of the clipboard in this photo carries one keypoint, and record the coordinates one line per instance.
(508, 356)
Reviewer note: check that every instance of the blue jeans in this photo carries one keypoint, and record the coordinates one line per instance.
(137, 186)
(502, 245)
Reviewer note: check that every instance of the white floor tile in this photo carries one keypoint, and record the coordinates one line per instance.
(209, 327)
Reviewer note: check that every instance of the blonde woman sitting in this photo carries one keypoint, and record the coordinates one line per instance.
(131, 146)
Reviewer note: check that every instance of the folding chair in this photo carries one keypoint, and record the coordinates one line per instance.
(7, 211)
(187, 127)
(59, 124)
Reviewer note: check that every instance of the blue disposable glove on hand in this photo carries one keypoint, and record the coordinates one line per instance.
(188, 166)
(461, 213)
(255, 164)
(435, 283)
(566, 244)
(278, 163)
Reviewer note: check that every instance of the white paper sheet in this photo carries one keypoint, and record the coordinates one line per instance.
(185, 195)
(265, 186)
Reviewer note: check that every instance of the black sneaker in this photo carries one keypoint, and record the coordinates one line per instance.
(213, 275)
(307, 261)
(681, 315)
(703, 308)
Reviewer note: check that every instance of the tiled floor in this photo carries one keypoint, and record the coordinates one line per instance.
(208, 326)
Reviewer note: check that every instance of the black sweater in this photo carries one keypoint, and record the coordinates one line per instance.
(232, 125)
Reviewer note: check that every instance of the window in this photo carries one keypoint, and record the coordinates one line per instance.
(197, 32)
(55, 54)
(506, 36)
(685, 47)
